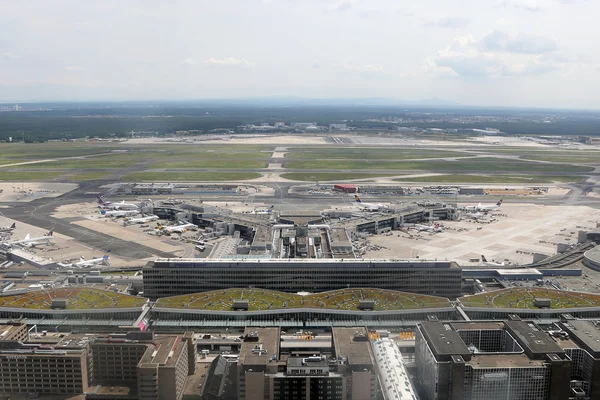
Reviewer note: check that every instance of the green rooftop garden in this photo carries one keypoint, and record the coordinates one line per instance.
(78, 299)
(525, 298)
(262, 299)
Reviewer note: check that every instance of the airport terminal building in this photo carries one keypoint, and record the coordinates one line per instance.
(178, 276)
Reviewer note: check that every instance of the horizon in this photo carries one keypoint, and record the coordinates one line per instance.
(297, 101)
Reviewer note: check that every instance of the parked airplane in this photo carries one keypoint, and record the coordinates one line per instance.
(83, 263)
(183, 227)
(9, 229)
(142, 220)
(482, 207)
(116, 206)
(118, 213)
(485, 262)
(368, 206)
(428, 228)
(94, 261)
(28, 241)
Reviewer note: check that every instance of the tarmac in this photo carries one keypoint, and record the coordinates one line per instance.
(526, 229)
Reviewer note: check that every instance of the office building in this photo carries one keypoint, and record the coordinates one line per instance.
(40, 369)
(581, 341)
(150, 366)
(132, 366)
(490, 361)
(340, 366)
(16, 331)
(177, 276)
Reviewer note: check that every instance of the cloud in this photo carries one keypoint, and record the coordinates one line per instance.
(466, 57)
(368, 68)
(526, 44)
(341, 5)
(448, 22)
(229, 61)
(527, 5)
(189, 61)
(316, 64)
(10, 55)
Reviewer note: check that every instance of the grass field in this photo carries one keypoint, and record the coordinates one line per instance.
(216, 163)
(467, 165)
(29, 175)
(260, 299)
(457, 178)
(329, 176)
(368, 153)
(94, 162)
(558, 157)
(526, 151)
(78, 299)
(525, 298)
(192, 153)
(189, 176)
(91, 175)
(39, 151)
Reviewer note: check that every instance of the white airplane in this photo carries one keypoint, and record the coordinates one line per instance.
(487, 263)
(183, 227)
(28, 241)
(117, 206)
(9, 229)
(428, 228)
(88, 263)
(142, 220)
(487, 207)
(118, 213)
(368, 206)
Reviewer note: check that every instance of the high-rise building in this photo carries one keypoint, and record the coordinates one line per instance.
(31, 368)
(135, 365)
(490, 361)
(581, 341)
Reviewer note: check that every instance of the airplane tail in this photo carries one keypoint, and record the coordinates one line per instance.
(357, 199)
(13, 226)
(483, 258)
(100, 199)
(106, 255)
(50, 233)
(103, 212)
(499, 203)
(27, 237)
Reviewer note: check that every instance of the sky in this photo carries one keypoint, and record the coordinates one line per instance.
(511, 53)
